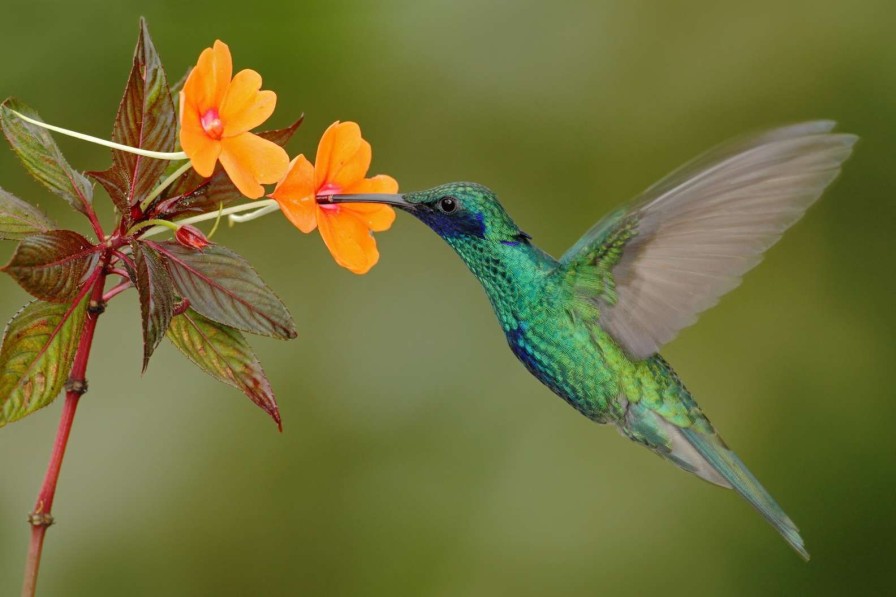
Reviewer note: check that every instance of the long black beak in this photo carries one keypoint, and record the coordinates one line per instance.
(384, 198)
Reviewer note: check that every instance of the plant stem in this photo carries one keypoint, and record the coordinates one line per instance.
(254, 206)
(94, 222)
(116, 290)
(263, 211)
(148, 223)
(41, 517)
(164, 185)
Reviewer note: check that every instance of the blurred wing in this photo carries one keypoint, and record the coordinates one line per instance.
(689, 238)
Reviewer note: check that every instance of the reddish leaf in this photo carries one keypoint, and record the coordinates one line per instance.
(116, 186)
(19, 219)
(36, 356)
(219, 190)
(223, 286)
(282, 136)
(206, 194)
(223, 353)
(146, 119)
(41, 157)
(157, 297)
(54, 265)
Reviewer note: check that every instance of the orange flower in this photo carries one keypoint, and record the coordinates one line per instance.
(216, 114)
(343, 158)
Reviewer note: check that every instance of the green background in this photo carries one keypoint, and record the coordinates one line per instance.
(418, 457)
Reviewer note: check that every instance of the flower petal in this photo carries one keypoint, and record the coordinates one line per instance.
(244, 107)
(202, 149)
(339, 144)
(348, 240)
(208, 81)
(250, 160)
(353, 169)
(381, 183)
(295, 194)
(376, 217)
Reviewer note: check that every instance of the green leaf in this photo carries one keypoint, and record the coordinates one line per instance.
(219, 190)
(36, 356)
(19, 219)
(223, 286)
(223, 353)
(53, 265)
(157, 297)
(41, 157)
(146, 119)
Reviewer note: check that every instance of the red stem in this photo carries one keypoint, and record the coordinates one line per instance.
(97, 228)
(41, 518)
(91, 215)
(116, 290)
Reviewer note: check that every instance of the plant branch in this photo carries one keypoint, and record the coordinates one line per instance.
(116, 290)
(127, 260)
(94, 222)
(114, 271)
(41, 517)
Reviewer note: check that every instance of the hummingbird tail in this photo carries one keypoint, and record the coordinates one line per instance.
(702, 452)
(735, 472)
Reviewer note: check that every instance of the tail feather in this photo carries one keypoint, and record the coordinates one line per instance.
(702, 452)
(729, 466)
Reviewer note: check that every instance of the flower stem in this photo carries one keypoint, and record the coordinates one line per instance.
(255, 205)
(159, 155)
(263, 211)
(41, 517)
(157, 223)
(214, 229)
(164, 185)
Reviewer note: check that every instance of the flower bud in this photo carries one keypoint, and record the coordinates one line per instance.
(192, 237)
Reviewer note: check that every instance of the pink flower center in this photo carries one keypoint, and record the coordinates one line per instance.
(211, 123)
(329, 189)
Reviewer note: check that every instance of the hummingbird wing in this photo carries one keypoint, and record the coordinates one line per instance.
(688, 239)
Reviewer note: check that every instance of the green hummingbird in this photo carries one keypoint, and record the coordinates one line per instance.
(590, 325)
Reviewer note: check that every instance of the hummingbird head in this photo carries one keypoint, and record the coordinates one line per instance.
(465, 214)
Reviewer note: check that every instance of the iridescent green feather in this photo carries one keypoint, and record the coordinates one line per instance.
(590, 325)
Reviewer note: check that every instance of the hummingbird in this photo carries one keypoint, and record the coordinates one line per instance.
(590, 325)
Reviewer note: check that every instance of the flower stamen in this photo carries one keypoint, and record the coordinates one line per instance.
(211, 123)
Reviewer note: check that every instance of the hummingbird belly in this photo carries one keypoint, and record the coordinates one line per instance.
(583, 368)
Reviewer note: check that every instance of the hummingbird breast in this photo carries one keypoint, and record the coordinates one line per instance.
(534, 304)
(577, 361)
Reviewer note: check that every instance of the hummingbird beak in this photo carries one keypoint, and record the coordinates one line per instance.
(394, 200)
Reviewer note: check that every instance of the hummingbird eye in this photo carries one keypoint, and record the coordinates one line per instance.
(447, 204)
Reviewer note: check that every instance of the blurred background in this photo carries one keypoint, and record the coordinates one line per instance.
(418, 457)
